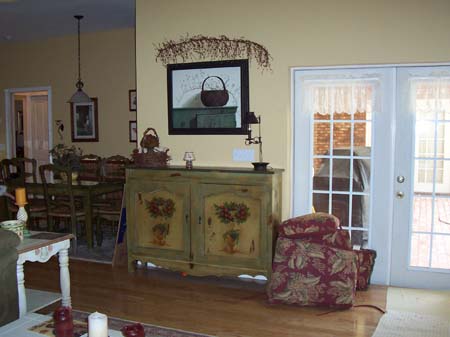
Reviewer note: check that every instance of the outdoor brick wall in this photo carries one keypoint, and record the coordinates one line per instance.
(341, 134)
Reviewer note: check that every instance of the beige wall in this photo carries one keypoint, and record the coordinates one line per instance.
(108, 71)
(297, 33)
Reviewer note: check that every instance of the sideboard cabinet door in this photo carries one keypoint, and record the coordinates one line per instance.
(158, 220)
(229, 229)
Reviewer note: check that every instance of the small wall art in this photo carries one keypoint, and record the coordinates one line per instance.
(133, 131)
(84, 121)
(207, 98)
(132, 100)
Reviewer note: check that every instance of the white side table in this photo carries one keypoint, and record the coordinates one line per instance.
(41, 246)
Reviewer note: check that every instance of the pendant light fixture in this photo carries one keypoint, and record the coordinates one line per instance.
(79, 96)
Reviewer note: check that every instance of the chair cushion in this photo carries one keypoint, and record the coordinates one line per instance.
(310, 223)
(310, 274)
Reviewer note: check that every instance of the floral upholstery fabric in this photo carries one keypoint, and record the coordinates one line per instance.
(304, 225)
(366, 262)
(338, 239)
(312, 274)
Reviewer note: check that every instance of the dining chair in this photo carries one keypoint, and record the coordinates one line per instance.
(16, 172)
(28, 168)
(90, 167)
(107, 207)
(60, 199)
(113, 168)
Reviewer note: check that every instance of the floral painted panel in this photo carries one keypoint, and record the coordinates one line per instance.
(160, 220)
(232, 226)
(311, 274)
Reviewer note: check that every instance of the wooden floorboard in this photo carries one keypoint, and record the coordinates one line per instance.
(215, 306)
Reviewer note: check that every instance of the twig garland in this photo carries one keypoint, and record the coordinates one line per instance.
(222, 47)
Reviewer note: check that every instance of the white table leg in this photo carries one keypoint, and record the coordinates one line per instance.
(64, 277)
(21, 289)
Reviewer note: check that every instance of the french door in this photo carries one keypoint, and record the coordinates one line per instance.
(341, 147)
(421, 231)
(372, 146)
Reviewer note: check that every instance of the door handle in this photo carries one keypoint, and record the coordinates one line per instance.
(400, 179)
(400, 195)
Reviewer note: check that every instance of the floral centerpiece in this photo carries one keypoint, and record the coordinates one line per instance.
(67, 157)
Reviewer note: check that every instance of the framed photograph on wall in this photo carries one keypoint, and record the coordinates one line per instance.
(84, 121)
(132, 100)
(133, 131)
(208, 98)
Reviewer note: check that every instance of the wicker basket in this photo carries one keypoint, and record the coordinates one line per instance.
(213, 98)
(151, 159)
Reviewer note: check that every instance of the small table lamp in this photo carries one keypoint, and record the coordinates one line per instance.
(189, 158)
(249, 120)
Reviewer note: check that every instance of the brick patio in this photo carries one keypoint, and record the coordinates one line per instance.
(422, 222)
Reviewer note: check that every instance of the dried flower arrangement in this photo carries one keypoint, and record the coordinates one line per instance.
(67, 156)
(222, 47)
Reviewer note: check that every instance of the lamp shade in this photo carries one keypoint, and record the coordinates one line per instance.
(189, 156)
(79, 97)
(250, 118)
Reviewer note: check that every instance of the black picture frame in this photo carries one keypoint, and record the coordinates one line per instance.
(132, 100)
(132, 131)
(187, 112)
(84, 121)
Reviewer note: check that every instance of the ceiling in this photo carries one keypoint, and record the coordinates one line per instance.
(26, 20)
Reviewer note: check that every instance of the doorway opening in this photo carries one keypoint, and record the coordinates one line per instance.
(29, 131)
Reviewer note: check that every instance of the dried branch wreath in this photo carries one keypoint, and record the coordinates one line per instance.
(222, 47)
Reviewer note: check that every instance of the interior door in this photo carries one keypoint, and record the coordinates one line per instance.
(421, 230)
(36, 130)
(343, 147)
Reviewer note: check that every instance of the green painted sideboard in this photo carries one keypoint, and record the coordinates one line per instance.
(204, 221)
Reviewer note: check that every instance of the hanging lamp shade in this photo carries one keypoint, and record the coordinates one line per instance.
(79, 96)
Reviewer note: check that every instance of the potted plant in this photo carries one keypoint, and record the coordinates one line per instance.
(67, 157)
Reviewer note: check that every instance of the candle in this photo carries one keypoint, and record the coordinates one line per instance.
(21, 197)
(98, 325)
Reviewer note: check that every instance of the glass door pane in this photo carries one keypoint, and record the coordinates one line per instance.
(431, 206)
(342, 138)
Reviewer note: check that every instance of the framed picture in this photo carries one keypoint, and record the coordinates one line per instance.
(132, 100)
(208, 98)
(84, 121)
(133, 131)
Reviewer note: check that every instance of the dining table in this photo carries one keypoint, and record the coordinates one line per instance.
(85, 189)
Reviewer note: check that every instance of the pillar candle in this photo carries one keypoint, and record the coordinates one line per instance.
(98, 325)
(21, 197)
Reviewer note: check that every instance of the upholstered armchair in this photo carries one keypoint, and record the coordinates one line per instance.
(314, 263)
(9, 305)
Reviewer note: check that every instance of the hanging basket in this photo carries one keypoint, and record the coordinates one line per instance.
(214, 97)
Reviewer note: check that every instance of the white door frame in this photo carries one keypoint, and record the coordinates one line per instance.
(9, 117)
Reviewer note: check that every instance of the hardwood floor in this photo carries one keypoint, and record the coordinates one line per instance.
(208, 305)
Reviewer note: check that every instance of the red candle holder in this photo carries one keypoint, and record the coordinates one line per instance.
(63, 320)
(133, 330)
